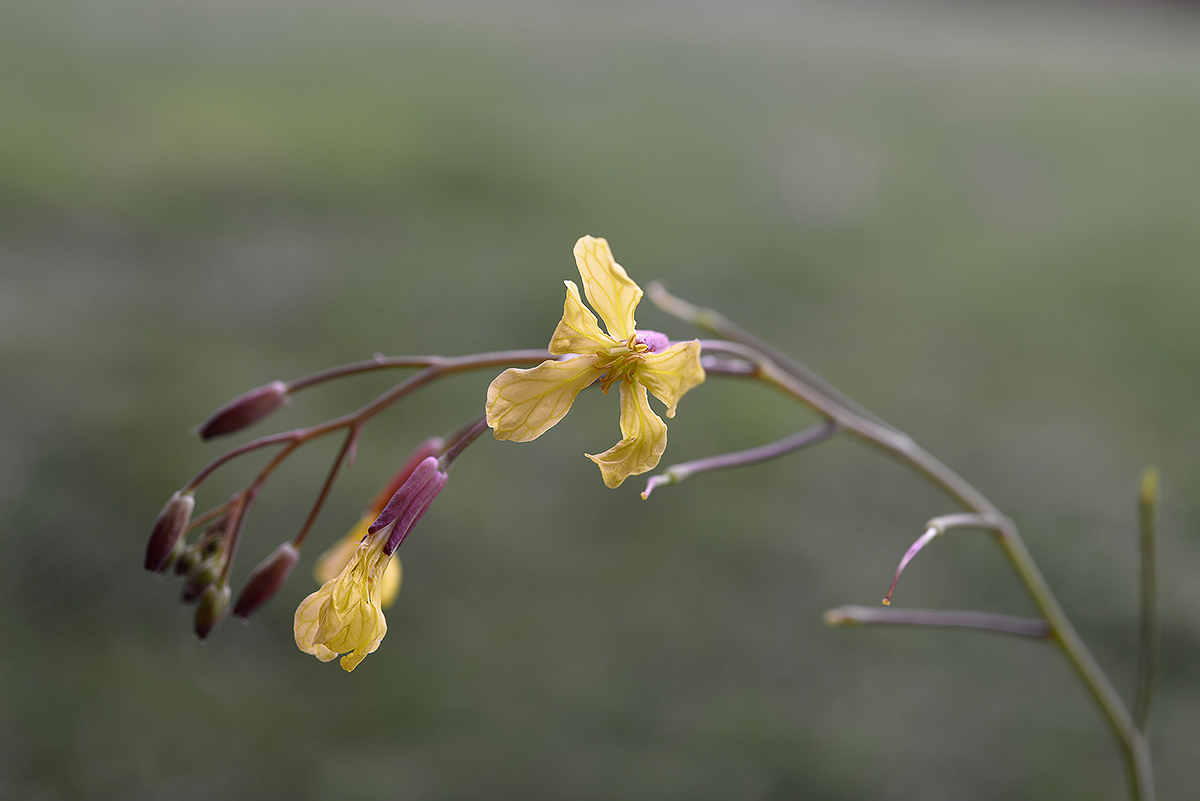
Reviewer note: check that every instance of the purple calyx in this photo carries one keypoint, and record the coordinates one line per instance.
(653, 340)
(409, 503)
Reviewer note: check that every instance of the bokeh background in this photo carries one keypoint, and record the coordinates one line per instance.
(980, 220)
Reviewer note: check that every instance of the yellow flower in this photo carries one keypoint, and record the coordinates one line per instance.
(523, 404)
(345, 616)
(330, 563)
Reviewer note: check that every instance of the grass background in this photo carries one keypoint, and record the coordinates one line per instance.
(980, 222)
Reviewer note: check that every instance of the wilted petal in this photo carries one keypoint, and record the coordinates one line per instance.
(671, 373)
(644, 438)
(308, 622)
(330, 563)
(611, 292)
(344, 616)
(523, 404)
(578, 331)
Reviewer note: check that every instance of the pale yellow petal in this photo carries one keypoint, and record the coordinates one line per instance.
(578, 331)
(523, 404)
(644, 438)
(611, 292)
(308, 622)
(331, 563)
(671, 373)
(389, 588)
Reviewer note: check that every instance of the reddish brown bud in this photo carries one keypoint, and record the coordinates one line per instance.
(245, 410)
(266, 580)
(211, 611)
(168, 528)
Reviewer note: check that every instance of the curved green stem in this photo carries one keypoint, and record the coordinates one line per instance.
(820, 397)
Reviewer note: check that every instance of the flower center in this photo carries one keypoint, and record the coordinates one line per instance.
(619, 362)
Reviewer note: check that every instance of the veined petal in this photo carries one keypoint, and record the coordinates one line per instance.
(611, 292)
(578, 331)
(330, 563)
(644, 438)
(344, 616)
(671, 373)
(523, 404)
(308, 623)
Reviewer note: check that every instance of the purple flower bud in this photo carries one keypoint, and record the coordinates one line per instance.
(409, 503)
(168, 528)
(415, 511)
(404, 496)
(266, 580)
(211, 611)
(430, 447)
(654, 340)
(245, 410)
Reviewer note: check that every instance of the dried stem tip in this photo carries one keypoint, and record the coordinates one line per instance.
(168, 528)
(266, 580)
(930, 534)
(245, 410)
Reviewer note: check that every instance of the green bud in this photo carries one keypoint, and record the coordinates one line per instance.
(214, 603)
(201, 578)
(187, 560)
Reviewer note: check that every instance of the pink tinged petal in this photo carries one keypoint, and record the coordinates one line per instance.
(578, 331)
(611, 292)
(671, 373)
(524, 404)
(644, 438)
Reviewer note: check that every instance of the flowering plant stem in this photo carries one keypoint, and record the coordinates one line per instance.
(777, 370)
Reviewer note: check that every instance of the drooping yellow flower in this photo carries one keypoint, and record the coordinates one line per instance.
(345, 616)
(523, 404)
(330, 563)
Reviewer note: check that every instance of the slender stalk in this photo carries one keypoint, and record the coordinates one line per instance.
(436, 367)
(459, 440)
(338, 461)
(903, 448)
(938, 618)
(772, 450)
(1148, 626)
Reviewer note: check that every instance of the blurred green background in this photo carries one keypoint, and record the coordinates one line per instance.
(979, 221)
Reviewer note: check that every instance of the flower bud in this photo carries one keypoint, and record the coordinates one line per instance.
(168, 528)
(266, 580)
(430, 447)
(201, 578)
(187, 560)
(409, 503)
(245, 410)
(211, 611)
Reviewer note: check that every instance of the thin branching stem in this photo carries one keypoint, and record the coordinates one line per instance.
(334, 469)
(1148, 619)
(436, 367)
(772, 450)
(938, 618)
(902, 447)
